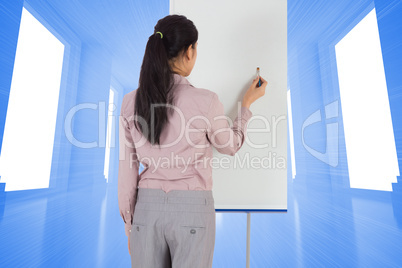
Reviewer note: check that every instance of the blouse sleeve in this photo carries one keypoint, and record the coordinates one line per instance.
(127, 174)
(226, 139)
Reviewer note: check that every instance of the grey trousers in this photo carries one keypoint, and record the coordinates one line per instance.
(173, 230)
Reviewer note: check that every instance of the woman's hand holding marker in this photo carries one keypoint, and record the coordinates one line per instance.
(254, 92)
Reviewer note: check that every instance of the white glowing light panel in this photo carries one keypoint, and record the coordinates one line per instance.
(27, 149)
(291, 139)
(369, 136)
(110, 125)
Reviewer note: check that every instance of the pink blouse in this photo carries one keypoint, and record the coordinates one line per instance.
(183, 162)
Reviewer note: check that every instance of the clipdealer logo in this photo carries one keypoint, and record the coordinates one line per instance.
(330, 156)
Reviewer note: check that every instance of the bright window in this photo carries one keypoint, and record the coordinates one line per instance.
(291, 139)
(27, 149)
(110, 127)
(369, 136)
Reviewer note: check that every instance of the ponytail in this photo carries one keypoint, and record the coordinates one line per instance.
(172, 34)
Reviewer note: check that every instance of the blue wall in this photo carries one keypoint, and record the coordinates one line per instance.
(76, 223)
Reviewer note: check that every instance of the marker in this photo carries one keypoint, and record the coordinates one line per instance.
(258, 73)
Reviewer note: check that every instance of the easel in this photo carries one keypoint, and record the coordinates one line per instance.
(248, 230)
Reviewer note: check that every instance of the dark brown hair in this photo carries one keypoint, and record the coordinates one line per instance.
(156, 76)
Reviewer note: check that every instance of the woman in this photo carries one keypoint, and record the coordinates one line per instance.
(169, 125)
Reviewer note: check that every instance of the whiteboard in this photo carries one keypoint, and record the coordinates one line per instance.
(235, 37)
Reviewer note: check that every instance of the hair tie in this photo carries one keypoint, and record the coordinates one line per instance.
(161, 34)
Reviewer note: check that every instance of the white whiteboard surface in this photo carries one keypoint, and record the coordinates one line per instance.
(236, 37)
